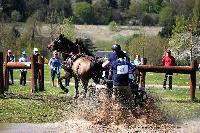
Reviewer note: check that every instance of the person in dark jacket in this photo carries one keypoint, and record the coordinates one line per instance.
(120, 65)
(168, 60)
(11, 58)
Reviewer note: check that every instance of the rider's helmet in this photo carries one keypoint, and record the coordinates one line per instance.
(116, 47)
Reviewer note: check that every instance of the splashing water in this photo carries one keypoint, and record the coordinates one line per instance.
(100, 109)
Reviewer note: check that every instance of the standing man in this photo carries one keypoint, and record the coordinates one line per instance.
(168, 60)
(120, 64)
(54, 63)
(23, 72)
(11, 58)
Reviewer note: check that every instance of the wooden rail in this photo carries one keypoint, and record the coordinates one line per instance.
(37, 72)
(174, 69)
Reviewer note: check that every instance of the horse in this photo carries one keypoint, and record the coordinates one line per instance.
(79, 62)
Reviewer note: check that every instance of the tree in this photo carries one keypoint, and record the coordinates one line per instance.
(102, 12)
(15, 15)
(167, 19)
(135, 9)
(58, 10)
(68, 28)
(113, 3)
(88, 1)
(123, 4)
(83, 12)
(196, 15)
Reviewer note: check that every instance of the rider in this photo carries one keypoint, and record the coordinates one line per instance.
(120, 66)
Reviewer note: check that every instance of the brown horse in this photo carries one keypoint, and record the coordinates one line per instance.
(79, 62)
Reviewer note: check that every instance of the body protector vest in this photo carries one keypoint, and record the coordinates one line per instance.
(121, 72)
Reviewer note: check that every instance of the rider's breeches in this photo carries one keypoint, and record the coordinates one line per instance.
(165, 80)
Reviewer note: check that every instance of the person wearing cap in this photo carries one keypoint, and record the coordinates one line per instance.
(54, 63)
(119, 64)
(168, 60)
(35, 51)
(23, 72)
(11, 58)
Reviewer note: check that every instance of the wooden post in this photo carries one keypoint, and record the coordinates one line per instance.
(143, 73)
(33, 74)
(1, 74)
(6, 74)
(194, 67)
(41, 73)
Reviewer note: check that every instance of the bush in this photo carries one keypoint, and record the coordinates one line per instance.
(15, 15)
(149, 19)
(113, 26)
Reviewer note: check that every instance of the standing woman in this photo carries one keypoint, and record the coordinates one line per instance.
(54, 63)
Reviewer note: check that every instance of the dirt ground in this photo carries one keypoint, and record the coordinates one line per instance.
(83, 126)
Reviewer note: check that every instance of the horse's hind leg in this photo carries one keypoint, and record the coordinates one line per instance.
(76, 87)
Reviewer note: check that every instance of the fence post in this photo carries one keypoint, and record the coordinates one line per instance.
(6, 74)
(194, 67)
(143, 73)
(1, 74)
(33, 74)
(41, 73)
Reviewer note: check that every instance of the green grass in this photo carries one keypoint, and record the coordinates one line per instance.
(176, 104)
(178, 79)
(20, 105)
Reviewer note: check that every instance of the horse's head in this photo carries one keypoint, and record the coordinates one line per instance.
(62, 44)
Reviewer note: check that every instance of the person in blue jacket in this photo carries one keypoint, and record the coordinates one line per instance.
(54, 63)
(23, 72)
(120, 65)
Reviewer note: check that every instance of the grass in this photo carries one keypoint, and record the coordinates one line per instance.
(176, 104)
(20, 105)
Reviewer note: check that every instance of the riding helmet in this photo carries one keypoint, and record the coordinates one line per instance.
(116, 47)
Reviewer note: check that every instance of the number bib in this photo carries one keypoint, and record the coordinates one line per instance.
(122, 69)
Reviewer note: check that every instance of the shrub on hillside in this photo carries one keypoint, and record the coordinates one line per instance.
(113, 26)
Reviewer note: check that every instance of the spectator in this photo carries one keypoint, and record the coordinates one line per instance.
(137, 60)
(54, 63)
(11, 58)
(35, 51)
(23, 72)
(168, 60)
(120, 65)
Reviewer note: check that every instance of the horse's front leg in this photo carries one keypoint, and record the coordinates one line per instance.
(66, 75)
(76, 87)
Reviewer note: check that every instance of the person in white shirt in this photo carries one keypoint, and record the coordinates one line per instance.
(23, 72)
